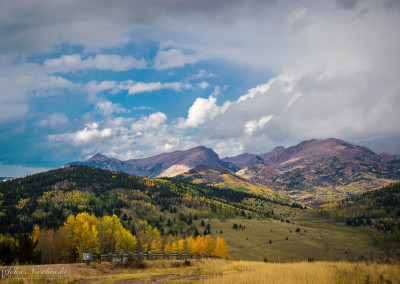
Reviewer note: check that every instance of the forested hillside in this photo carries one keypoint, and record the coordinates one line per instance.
(48, 198)
(379, 209)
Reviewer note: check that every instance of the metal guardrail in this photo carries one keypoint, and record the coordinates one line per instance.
(87, 257)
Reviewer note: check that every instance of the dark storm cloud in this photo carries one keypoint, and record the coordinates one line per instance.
(36, 26)
(347, 4)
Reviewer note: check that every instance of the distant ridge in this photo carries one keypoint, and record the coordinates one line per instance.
(313, 172)
(163, 165)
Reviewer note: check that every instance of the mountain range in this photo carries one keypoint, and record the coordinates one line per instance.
(388, 145)
(313, 172)
(163, 165)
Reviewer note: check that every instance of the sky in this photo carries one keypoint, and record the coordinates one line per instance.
(132, 79)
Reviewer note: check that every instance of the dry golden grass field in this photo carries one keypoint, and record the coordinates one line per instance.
(225, 271)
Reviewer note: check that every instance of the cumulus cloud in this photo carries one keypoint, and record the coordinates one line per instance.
(148, 123)
(253, 125)
(114, 62)
(200, 112)
(315, 104)
(125, 138)
(87, 135)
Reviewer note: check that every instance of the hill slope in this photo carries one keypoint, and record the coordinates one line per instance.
(48, 198)
(379, 208)
(225, 179)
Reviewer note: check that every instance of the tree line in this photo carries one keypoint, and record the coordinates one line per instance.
(85, 232)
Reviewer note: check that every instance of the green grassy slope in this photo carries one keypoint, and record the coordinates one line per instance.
(379, 209)
(318, 238)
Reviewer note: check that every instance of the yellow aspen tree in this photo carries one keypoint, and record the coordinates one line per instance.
(199, 245)
(141, 228)
(167, 248)
(156, 246)
(35, 233)
(124, 241)
(191, 244)
(113, 237)
(83, 233)
(182, 246)
(221, 248)
(107, 228)
(149, 235)
(209, 245)
(174, 247)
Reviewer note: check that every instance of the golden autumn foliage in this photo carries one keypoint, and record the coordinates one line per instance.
(199, 245)
(86, 233)
(209, 245)
(221, 248)
(82, 233)
(113, 237)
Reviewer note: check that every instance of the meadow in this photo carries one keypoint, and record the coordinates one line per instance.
(304, 237)
(227, 271)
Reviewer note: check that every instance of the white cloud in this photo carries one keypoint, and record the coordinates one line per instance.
(140, 87)
(134, 87)
(117, 137)
(254, 125)
(217, 91)
(202, 74)
(203, 85)
(55, 120)
(172, 58)
(97, 87)
(151, 122)
(107, 108)
(200, 112)
(311, 105)
(114, 62)
(90, 133)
